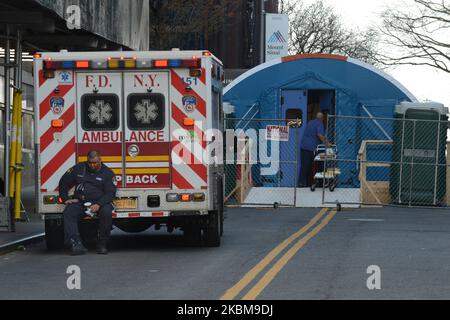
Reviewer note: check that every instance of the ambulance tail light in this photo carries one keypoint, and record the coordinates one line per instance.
(51, 199)
(52, 65)
(207, 53)
(172, 197)
(82, 64)
(185, 197)
(37, 55)
(67, 64)
(177, 63)
(195, 73)
(192, 63)
(188, 121)
(58, 123)
(143, 64)
(99, 64)
(198, 197)
(49, 74)
(113, 63)
(160, 63)
(129, 63)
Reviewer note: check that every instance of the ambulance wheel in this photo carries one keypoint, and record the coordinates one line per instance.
(54, 234)
(211, 233)
(313, 187)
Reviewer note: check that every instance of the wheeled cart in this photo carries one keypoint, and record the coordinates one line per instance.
(325, 167)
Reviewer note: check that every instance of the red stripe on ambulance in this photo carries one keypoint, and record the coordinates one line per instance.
(65, 153)
(44, 106)
(47, 137)
(105, 149)
(177, 82)
(178, 116)
(199, 168)
(179, 181)
(42, 79)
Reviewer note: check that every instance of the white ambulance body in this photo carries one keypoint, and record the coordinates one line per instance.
(148, 114)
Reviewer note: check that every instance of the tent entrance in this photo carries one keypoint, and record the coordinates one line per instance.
(321, 101)
(303, 105)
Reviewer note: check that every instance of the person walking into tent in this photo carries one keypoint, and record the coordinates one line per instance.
(313, 136)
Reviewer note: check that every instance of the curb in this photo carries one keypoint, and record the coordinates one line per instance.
(13, 245)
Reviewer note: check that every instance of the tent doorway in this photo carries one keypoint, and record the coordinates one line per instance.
(303, 105)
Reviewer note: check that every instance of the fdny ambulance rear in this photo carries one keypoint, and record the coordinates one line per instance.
(153, 117)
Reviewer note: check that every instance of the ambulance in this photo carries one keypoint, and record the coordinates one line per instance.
(152, 116)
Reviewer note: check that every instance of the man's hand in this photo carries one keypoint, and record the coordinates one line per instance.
(70, 201)
(95, 207)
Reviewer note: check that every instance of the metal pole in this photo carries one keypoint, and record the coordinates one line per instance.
(263, 30)
(437, 164)
(7, 122)
(18, 62)
(402, 150)
(412, 161)
(296, 163)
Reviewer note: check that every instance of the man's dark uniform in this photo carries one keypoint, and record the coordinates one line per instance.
(96, 187)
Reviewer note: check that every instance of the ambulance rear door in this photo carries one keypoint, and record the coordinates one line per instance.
(146, 129)
(99, 118)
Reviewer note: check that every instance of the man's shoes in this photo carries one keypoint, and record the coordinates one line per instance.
(77, 248)
(101, 246)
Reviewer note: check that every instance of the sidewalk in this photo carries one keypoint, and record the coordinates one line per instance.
(26, 232)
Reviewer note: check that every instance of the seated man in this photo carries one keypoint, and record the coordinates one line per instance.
(94, 183)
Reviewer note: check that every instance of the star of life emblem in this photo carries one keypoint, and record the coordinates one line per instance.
(146, 111)
(100, 112)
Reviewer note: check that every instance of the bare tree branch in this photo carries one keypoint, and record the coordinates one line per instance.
(417, 35)
(316, 28)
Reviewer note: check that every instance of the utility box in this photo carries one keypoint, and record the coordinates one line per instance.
(418, 171)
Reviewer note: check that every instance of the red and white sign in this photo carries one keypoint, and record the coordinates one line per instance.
(277, 133)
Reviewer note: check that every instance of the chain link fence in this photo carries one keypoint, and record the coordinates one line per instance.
(369, 161)
(388, 161)
(261, 162)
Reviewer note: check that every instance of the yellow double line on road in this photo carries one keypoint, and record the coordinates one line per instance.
(265, 280)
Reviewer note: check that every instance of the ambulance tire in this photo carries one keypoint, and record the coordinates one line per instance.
(54, 234)
(211, 233)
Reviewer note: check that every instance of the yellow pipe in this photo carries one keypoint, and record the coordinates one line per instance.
(12, 160)
(19, 165)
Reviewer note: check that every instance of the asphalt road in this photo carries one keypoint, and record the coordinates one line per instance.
(266, 254)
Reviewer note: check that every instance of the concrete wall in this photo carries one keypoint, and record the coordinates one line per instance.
(125, 22)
